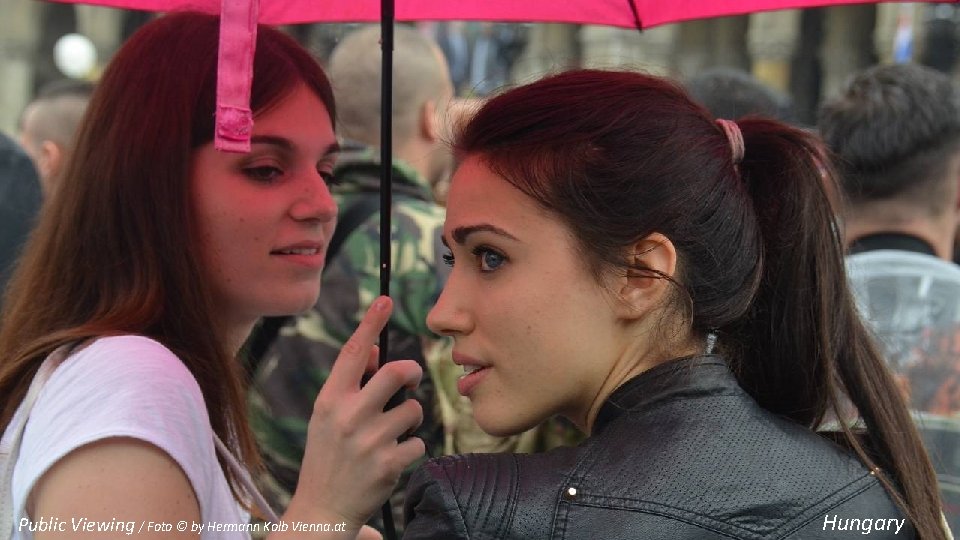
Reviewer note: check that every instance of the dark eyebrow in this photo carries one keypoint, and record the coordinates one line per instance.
(460, 234)
(286, 145)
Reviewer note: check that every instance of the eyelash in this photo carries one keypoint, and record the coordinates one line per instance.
(254, 173)
(479, 252)
(329, 178)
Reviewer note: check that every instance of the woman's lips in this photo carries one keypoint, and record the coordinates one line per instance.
(467, 382)
(310, 255)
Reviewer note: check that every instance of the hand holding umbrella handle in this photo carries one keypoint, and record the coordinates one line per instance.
(352, 458)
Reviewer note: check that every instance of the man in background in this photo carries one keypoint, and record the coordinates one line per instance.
(731, 93)
(895, 132)
(49, 124)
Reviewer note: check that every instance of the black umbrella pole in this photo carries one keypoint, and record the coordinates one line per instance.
(386, 172)
(386, 201)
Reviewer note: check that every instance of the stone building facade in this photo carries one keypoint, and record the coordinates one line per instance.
(807, 53)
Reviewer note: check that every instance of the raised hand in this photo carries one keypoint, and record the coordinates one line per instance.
(352, 458)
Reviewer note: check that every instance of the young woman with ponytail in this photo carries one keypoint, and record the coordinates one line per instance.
(674, 285)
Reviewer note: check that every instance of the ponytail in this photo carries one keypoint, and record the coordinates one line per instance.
(801, 349)
(618, 156)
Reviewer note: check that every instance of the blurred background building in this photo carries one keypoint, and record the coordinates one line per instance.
(805, 53)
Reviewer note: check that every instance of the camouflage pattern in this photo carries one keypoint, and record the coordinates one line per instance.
(299, 361)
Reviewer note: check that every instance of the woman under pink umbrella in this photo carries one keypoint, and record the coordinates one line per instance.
(674, 285)
(141, 282)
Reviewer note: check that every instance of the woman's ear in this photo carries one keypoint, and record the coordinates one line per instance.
(641, 291)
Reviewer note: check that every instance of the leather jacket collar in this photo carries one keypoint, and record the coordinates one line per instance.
(688, 376)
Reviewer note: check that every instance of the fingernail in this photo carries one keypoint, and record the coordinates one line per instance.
(380, 304)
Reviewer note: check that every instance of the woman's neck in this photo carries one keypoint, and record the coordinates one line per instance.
(637, 359)
(236, 336)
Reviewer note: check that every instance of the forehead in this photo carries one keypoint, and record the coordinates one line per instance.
(478, 192)
(480, 196)
(300, 112)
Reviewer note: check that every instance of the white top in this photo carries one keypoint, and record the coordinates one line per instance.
(126, 386)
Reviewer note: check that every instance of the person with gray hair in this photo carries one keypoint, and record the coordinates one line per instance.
(731, 93)
(49, 124)
(895, 133)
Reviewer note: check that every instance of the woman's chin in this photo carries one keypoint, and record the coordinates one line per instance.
(302, 300)
(295, 306)
(501, 427)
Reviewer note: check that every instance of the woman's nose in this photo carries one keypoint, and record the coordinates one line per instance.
(448, 317)
(314, 202)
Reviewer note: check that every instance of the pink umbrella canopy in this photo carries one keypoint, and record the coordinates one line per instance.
(238, 32)
(623, 13)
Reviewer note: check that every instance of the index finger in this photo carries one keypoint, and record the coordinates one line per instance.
(351, 364)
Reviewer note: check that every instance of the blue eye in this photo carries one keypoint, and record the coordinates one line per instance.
(264, 174)
(489, 260)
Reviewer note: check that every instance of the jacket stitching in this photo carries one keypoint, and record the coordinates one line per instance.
(507, 524)
(450, 483)
(559, 527)
(814, 510)
(675, 517)
(807, 515)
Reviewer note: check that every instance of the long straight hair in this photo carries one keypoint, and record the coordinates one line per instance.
(116, 251)
(620, 155)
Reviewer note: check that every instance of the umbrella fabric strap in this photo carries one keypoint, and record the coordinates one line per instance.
(238, 40)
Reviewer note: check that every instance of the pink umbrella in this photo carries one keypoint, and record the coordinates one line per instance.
(238, 32)
(623, 13)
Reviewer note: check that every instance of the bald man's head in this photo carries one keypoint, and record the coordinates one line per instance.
(420, 75)
(49, 125)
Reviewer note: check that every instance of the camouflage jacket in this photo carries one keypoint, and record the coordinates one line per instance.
(296, 365)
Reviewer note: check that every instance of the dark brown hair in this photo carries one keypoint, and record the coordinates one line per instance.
(895, 130)
(116, 251)
(619, 155)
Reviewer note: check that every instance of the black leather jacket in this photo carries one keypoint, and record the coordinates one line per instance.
(679, 452)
